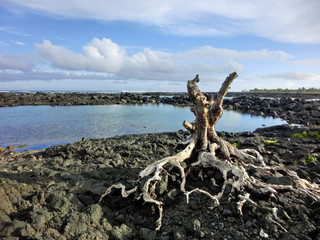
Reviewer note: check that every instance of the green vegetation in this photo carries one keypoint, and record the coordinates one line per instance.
(310, 159)
(281, 90)
(269, 141)
(310, 134)
(236, 144)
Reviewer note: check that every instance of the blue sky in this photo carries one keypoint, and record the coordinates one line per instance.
(148, 45)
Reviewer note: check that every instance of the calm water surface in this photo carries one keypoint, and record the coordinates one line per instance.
(42, 126)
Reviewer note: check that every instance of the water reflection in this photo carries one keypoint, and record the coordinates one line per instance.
(42, 126)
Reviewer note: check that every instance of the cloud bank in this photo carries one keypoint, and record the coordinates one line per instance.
(19, 63)
(294, 76)
(103, 59)
(105, 56)
(294, 21)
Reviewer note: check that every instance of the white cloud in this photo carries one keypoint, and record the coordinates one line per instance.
(14, 63)
(102, 59)
(60, 56)
(18, 43)
(208, 52)
(195, 30)
(103, 55)
(300, 76)
(294, 21)
(13, 31)
(41, 75)
(308, 62)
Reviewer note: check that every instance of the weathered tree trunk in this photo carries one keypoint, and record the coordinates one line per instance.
(208, 150)
(208, 110)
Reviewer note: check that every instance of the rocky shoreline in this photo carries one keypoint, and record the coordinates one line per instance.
(10, 99)
(286, 106)
(54, 193)
(297, 111)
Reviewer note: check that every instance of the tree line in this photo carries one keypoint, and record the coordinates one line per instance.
(286, 90)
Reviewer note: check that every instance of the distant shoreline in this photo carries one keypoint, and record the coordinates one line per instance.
(9, 99)
(276, 95)
(294, 108)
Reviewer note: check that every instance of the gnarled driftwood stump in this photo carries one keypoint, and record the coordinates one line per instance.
(208, 151)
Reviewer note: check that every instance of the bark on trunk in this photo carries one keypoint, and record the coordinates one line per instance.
(208, 110)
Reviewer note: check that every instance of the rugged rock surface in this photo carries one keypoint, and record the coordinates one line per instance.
(8, 99)
(297, 111)
(53, 193)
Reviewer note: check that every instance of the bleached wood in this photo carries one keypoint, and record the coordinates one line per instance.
(208, 150)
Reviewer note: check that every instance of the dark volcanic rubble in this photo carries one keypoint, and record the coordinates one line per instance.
(299, 111)
(54, 193)
(8, 99)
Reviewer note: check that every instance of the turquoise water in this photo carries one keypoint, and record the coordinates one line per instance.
(42, 126)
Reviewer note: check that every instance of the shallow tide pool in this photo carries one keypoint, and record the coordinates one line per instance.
(39, 127)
